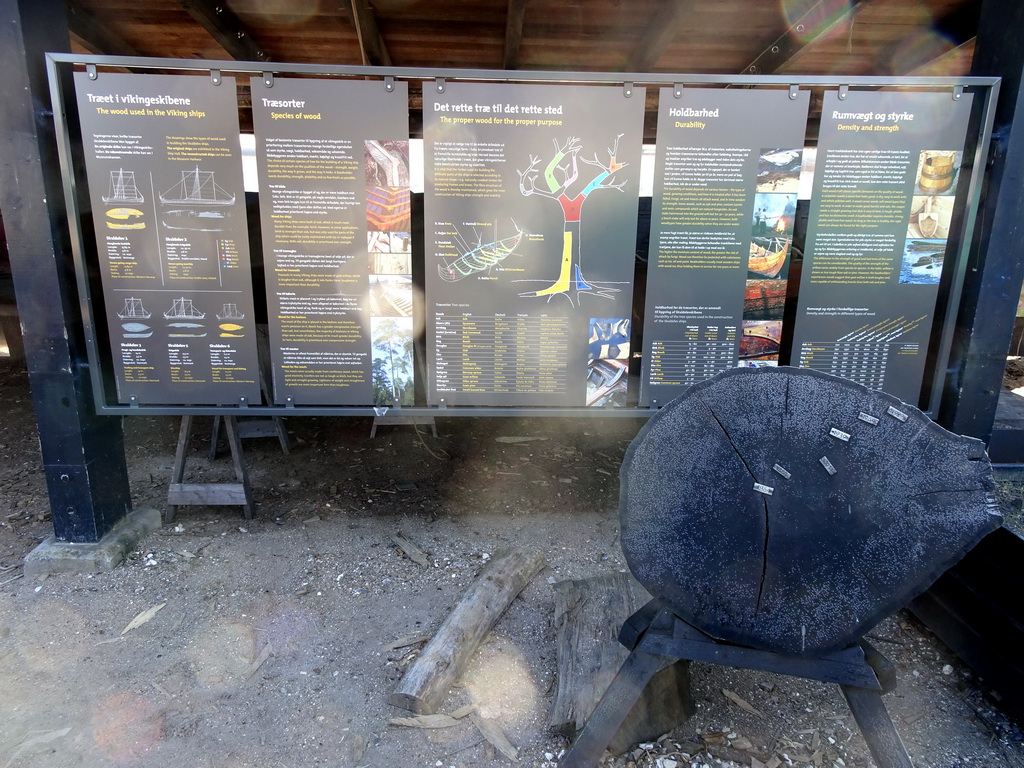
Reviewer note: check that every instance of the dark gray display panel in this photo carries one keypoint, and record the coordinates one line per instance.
(725, 192)
(530, 218)
(164, 172)
(888, 172)
(335, 208)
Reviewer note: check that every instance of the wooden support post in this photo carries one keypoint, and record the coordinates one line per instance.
(180, 493)
(426, 682)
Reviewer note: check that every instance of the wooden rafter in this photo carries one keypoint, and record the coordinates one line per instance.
(226, 28)
(774, 58)
(96, 37)
(513, 33)
(659, 33)
(371, 43)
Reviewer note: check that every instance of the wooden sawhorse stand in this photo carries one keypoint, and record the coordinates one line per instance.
(657, 638)
(181, 494)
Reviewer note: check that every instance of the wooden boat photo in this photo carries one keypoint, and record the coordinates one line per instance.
(764, 299)
(388, 209)
(768, 255)
(761, 340)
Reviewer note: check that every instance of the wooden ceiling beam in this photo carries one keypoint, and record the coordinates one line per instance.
(371, 42)
(513, 33)
(948, 34)
(96, 37)
(226, 28)
(774, 58)
(658, 35)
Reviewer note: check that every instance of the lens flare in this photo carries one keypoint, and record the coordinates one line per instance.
(126, 726)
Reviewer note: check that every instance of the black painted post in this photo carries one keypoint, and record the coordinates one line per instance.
(996, 268)
(83, 454)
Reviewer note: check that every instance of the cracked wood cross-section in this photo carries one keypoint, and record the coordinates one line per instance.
(791, 511)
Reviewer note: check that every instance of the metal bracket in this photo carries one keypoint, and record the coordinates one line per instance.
(958, 91)
(215, 77)
(439, 84)
(268, 79)
(389, 83)
(90, 69)
(843, 90)
(289, 402)
(627, 89)
(794, 91)
(677, 90)
(243, 402)
(442, 404)
(133, 401)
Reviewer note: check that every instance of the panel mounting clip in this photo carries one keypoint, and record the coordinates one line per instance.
(439, 84)
(843, 90)
(627, 89)
(90, 69)
(215, 77)
(677, 90)
(389, 83)
(958, 91)
(268, 79)
(794, 92)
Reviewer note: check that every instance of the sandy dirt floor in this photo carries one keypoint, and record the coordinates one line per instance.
(276, 641)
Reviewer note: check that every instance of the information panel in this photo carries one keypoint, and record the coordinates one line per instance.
(726, 181)
(530, 218)
(888, 170)
(335, 208)
(164, 172)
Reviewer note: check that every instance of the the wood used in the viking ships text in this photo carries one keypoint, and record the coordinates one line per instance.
(426, 682)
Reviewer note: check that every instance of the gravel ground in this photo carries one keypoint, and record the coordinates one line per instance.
(276, 641)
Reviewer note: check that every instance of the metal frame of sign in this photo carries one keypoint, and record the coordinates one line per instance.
(60, 65)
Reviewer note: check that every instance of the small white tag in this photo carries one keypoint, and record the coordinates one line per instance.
(867, 418)
(827, 465)
(896, 414)
(844, 436)
(767, 490)
(782, 471)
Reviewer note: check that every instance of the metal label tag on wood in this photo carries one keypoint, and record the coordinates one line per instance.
(873, 502)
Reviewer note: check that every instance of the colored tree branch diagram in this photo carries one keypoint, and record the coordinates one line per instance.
(561, 173)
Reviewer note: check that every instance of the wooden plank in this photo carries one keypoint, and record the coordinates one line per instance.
(206, 493)
(659, 34)
(588, 614)
(513, 33)
(425, 683)
(226, 28)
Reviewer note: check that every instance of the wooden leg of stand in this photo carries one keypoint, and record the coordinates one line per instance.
(613, 708)
(877, 728)
(178, 471)
(238, 458)
(214, 438)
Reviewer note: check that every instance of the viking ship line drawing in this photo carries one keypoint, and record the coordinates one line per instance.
(122, 188)
(482, 257)
(230, 312)
(197, 187)
(183, 309)
(133, 310)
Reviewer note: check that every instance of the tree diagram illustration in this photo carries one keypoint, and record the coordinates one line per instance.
(562, 173)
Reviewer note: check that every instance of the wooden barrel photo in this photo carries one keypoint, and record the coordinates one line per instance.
(937, 173)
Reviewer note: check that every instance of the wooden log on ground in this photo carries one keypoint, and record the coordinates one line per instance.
(426, 682)
(588, 615)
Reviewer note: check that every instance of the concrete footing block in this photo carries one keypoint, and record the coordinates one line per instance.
(54, 556)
